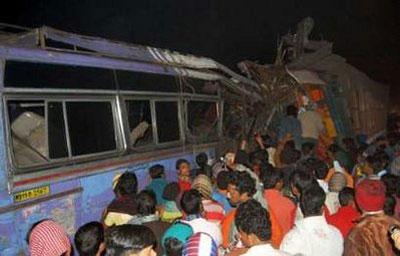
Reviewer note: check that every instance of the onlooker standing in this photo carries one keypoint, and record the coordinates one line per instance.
(347, 215)
(158, 183)
(313, 236)
(183, 168)
(89, 239)
(311, 124)
(290, 125)
(370, 235)
(220, 193)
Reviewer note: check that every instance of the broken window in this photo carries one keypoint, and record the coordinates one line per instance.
(140, 122)
(168, 128)
(202, 121)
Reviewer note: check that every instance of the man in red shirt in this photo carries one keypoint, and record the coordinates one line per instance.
(277, 203)
(346, 217)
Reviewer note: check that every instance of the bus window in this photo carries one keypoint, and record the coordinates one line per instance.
(28, 132)
(91, 127)
(202, 121)
(140, 122)
(167, 121)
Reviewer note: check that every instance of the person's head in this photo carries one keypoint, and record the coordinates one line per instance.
(201, 159)
(126, 184)
(175, 237)
(337, 182)
(389, 205)
(157, 171)
(291, 110)
(183, 167)
(312, 200)
(146, 202)
(272, 179)
(223, 178)
(289, 156)
(89, 239)
(48, 238)
(200, 244)
(299, 181)
(171, 191)
(130, 240)
(370, 195)
(391, 183)
(253, 223)
(319, 168)
(349, 143)
(307, 148)
(241, 187)
(203, 184)
(346, 197)
(258, 159)
(191, 202)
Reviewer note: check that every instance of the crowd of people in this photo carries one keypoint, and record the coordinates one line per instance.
(293, 194)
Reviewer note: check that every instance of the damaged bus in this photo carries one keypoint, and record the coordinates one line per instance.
(77, 110)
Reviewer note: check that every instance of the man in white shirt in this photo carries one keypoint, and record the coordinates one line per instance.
(254, 226)
(311, 124)
(191, 203)
(313, 236)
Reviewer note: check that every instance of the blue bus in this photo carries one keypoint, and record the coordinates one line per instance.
(77, 110)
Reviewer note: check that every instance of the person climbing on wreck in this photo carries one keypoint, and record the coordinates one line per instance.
(290, 126)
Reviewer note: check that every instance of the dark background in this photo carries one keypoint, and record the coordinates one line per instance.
(366, 32)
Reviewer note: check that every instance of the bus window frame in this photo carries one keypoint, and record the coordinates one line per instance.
(63, 99)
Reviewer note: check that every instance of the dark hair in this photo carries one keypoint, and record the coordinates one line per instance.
(223, 178)
(191, 202)
(311, 200)
(88, 238)
(173, 247)
(301, 180)
(181, 161)
(289, 156)
(244, 183)
(346, 195)
(334, 148)
(258, 156)
(270, 178)
(252, 218)
(128, 239)
(391, 182)
(171, 191)
(291, 110)
(156, 171)
(126, 184)
(319, 168)
(201, 159)
(146, 202)
(389, 206)
(307, 148)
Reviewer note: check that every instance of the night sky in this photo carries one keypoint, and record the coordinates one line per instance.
(366, 32)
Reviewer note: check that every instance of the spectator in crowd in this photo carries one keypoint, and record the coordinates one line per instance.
(242, 188)
(171, 195)
(307, 151)
(158, 183)
(204, 168)
(370, 235)
(48, 238)
(200, 244)
(337, 167)
(130, 239)
(389, 206)
(290, 125)
(124, 206)
(193, 209)
(213, 211)
(313, 235)
(183, 168)
(175, 237)
(347, 215)
(336, 184)
(320, 170)
(147, 216)
(220, 193)
(254, 226)
(312, 125)
(277, 203)
(89, 239)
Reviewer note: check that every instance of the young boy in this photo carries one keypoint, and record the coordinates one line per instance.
(89, 239)
(183, 168)
(158, 183)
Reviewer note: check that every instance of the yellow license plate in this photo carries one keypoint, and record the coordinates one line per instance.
(31, 193)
